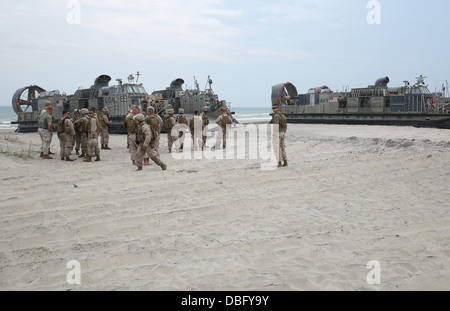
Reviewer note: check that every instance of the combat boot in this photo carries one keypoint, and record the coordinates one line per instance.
(98, 159)
(103, 146)
(69, 159)
(139, 169)
(163, 167)
(107, 148)
(62, 158)
(279, 164)
(88, 159)
(147, 162)
(42, 154)
(47, 157)
(285, 163)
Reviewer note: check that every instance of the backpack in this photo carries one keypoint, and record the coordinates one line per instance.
(154, 136)
(168, 124)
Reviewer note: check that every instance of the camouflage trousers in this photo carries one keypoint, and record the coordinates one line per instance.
(46, 138)
(66, 144)
(171, 140)
(221, 138)
(84, 143)
(77, 142)
(151, 153)
(280, 151)
(104, 132)
(132, 145)
(93, 148)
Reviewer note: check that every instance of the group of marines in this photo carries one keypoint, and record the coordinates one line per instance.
(144, 131)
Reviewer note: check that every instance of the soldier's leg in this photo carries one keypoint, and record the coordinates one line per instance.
(155, 158)
(139, 157)
(46, 134)
(62, 146)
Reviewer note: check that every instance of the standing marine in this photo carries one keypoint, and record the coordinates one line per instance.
(93, 130)
(169, 125)
(66, 134)
(280, 120)
(181, 119)
(223, 120)
(83, 125)
(46, 123)
(105, 124)
(77, 138)
(131, 127)
(205, 123)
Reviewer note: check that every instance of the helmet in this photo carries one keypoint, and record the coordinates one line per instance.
(140, 117)
(84, 111)
(171, 111)
(76, 111)
(151, 108)
(181, 110)
(105, 109)
(206, 108)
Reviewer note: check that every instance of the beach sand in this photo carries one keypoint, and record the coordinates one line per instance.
(351, 195)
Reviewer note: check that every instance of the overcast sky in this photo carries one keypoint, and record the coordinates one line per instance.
(245, 46)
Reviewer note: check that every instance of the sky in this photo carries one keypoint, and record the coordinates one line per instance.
(245, 46)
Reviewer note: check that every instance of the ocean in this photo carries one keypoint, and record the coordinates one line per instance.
(7, 115)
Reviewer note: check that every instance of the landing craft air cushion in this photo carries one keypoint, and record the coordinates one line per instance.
(27, 102)
(375, 105)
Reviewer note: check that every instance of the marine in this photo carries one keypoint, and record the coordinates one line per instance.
(222, 121)
(146, 143)
(83, 124)
(105, 124)
(77, 138)
(66, 134)
(131, 127)
(181, 119)
(156, 122)
(168, 125)
(93, 129)
(205, 123)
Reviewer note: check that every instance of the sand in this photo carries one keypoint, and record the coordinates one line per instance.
(351, 195)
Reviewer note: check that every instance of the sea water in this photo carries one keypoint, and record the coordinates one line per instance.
(7, 115)
(257, 114)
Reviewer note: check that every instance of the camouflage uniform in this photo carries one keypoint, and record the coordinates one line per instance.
(83, 125)
(156, 122)
(66, 139)
(205, 123)
(281, 154)
(93, 148)
(77, 138)
(223, 120)
(132, 131)
(104, 129)
(181, 119)
(171, 139)
(45, 134)
(144, 137)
